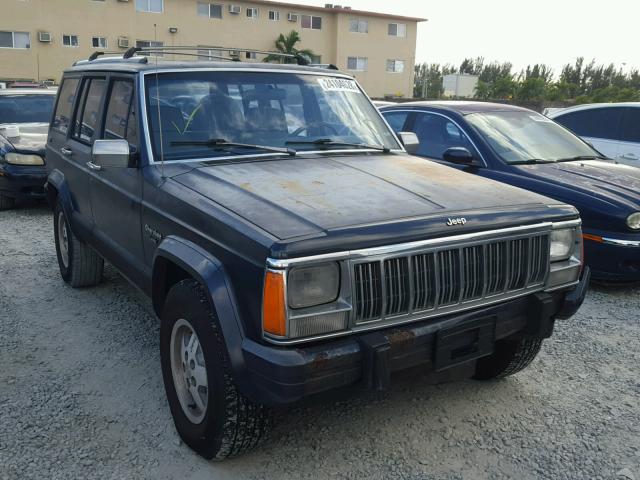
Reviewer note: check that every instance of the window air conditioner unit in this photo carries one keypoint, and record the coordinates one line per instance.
(292, 17)
(235, 9)
(124, 1)
(123, 42)
(45, 37)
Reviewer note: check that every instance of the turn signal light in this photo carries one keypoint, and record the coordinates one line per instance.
(593, 238)
(274, 312)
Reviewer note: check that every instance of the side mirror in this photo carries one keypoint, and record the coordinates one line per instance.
(409, 141)
(458, 155)
(111, 153)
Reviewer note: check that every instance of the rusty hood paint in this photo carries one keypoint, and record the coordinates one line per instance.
(307, 195)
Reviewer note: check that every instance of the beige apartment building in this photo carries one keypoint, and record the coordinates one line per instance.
(40, 38)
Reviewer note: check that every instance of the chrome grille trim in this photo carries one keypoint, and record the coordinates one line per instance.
(445, 278)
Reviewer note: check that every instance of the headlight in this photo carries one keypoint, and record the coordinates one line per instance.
(633, 221)
(313, 285)
(561, 244)
(22, 159)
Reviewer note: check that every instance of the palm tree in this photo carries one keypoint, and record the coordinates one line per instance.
(287, 44)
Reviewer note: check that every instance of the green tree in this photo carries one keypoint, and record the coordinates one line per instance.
(287, 44)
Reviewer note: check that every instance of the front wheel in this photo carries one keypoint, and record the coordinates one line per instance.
(210, 414)
(509, 357)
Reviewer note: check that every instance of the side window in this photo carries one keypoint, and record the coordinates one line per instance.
(596, 123)
(64, 108)
(438, 134)
(120, 120)
(87, 116)
(631, 125)
(396, 120)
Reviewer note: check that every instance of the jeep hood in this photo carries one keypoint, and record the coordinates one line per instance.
(307, 195)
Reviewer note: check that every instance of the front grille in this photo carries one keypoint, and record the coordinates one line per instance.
(447, 277)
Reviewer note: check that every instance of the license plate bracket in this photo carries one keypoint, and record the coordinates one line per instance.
(465, 342)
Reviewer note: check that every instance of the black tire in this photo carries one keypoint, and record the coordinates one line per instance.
(7, 203)
(84, 266)
(508, 358)
(232, 424)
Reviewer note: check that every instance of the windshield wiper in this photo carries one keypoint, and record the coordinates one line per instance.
(530, 161)
(330, 141)
(582, 157)
(221, 143)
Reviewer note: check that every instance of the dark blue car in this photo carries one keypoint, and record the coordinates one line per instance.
(525, 149)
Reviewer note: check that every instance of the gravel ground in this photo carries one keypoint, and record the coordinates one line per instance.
(81, 396)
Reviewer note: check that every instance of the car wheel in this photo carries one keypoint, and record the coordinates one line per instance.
(80, 265)
(508, 358)
(7, 203)
(210, 414)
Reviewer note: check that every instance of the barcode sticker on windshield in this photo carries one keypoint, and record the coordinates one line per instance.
(338, 85)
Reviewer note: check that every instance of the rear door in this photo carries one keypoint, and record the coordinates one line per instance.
(116, 192)
(598, 126)
(64, 155)
(629, 151)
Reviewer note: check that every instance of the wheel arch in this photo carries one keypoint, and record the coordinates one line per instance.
(177, 259)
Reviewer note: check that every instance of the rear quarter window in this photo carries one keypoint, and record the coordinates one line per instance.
(64, 107)
(596, 123)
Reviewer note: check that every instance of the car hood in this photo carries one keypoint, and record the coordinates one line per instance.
(609, 181)
(31, 139)
(306, 195)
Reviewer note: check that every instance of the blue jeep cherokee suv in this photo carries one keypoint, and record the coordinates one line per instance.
(288, 242)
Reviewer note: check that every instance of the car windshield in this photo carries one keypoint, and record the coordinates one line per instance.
(26, 108)
(521, 137)
(202, 114)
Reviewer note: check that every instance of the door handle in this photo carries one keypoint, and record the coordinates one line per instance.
(67, 152)
(93, 166)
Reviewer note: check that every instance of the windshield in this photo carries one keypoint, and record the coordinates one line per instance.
(525, 136)
(21, 108)
(284, 110)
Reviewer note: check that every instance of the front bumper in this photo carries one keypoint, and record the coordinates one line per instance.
(22, 181)
(280, 375)
(616, 257)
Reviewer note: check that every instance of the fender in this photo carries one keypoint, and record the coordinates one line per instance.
(209, 271)
(57, 189)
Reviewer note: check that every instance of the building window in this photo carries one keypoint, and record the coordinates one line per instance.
(358, 64)
(208, 54)
(251, 55)
(357, 25)
(398, 29)
(70, 40)
(395, 66)
(274, 15)
(252, 12)
(15, 40)
(149, 44)
(152, 6)
(317, 59)
(310, 21)
(211, 10)
(99, 42)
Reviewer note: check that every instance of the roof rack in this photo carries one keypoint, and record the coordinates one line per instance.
(232, 54)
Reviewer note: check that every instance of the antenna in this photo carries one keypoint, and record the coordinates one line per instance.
(155, 39)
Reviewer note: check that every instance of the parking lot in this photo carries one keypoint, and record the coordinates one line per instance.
(81, 395)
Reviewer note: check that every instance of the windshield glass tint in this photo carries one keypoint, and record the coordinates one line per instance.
(26, 108)
(522, 136)
(268, 109)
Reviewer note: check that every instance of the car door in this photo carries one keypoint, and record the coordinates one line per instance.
(629, 150)
(598, 126)
(64, 156)
(116, 191)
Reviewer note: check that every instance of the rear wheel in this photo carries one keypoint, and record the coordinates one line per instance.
(210, 414)
(80, 265)
(7, 203)
(509, 357)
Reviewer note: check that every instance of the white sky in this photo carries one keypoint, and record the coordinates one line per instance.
(554, 32)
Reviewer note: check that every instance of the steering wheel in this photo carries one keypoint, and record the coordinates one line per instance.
(298, 131)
